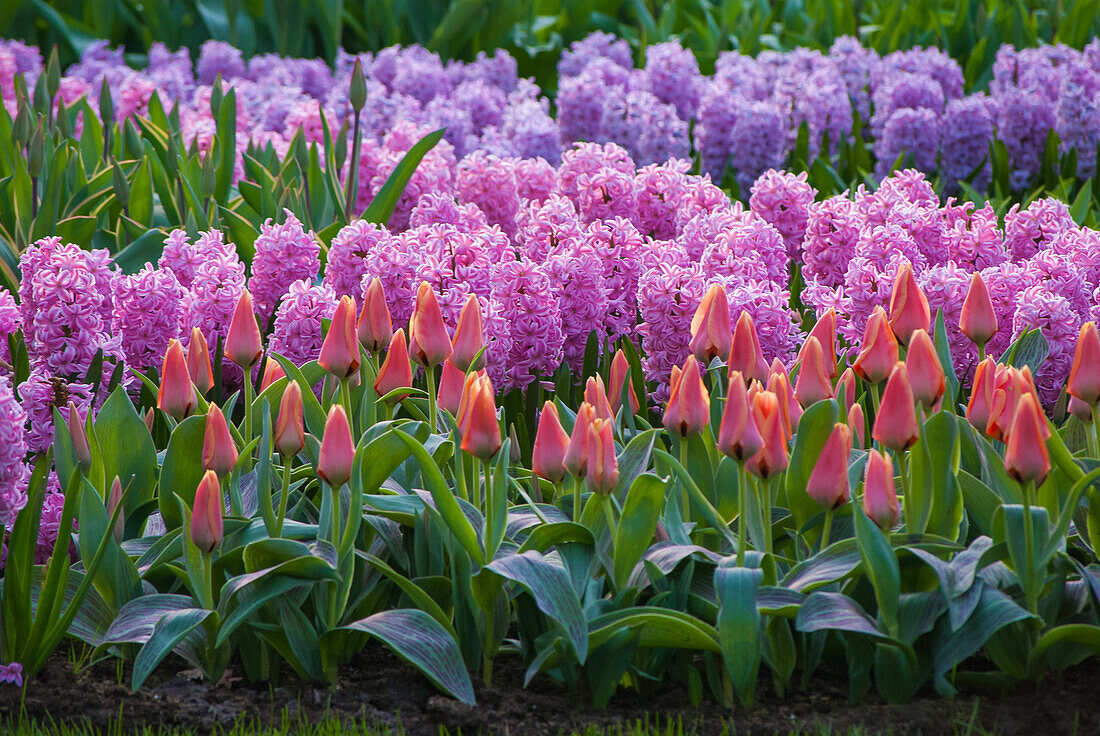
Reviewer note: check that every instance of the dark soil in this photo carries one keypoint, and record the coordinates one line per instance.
(381, 689)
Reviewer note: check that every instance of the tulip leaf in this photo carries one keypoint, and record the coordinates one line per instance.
(659, 629)
(422, 642)
(825, 611)
(182, 468)
(738, 625)
(880, 565)
(995, 610)
(634, 533)
(126, 449)
(814, 429)
(1085, 638)
(172, 628)
(934, 490)
(835, 562)
(1030, 349)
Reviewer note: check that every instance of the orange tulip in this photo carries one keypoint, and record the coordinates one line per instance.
(176, 396)
(576, 455)
(596, 395)
(219, 452)
(688, 410)
(206, 517)
(1004, 400)
(1026, 457)
(828, 484)
(710, 326)
(772, 458)
(880, 499)
(978, 320)
(429, 343)
(198, 362)
(451, 384)
(551, 444)
(738, 435)
(879, 351)
(1084, 375)
(779, 383)
(375, 328)
(603, 466)
(857, 422)
(244, 343)
(340, 350)
(926, 376)
(395, 371)
(337, 452)
(813, 384)
(469, 338)
(480, 431)
(846, 389)
(908, 307)
(272, 373)
(618, 378)
(825, 332)
(290, 430)
(896, 425)
(745, 354)
(980, 406)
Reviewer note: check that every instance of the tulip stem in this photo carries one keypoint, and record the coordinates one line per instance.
(686, 503)
(609, 514)
(910, 511)
(1029, 588)
(249, 398)
(826, 528)
(429, 374)
(576, 499)
(981, 353)
(1094, 451)
(874, 400)
(742, 501)
(283, 497)
(766, 512)
(345, 398)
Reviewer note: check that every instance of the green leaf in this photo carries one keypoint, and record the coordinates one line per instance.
(169, 631)
(126, 449)
(835, 562)
(824, 611)
(738, 625)
(383, 204)
(182, 468)
(658, 629)
(634, 534)
(880, 565)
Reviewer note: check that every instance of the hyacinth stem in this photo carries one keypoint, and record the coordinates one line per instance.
(283, 497)
(429, 374)
(826, 528)
(1029, 544)
(742, 500)
(34, 197)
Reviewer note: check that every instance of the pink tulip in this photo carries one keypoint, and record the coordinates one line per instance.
(337, 452)
(290, 430)
(880, 500)
(551, 444)
(828, 484)
(176, 396)
(688, 410)
(896, 425)
(340, 350)
(908, 308)
(979, 319)
(429, 343)
(219, 453)
(710, 327)
(375, 328)
(469, 338)
(738, 435)
(244, 344)
(206, 517)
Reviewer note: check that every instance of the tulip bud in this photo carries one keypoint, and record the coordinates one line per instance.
(375, 327)
(603, 467)
(828, 484)
(176, 396)
(206, 517)
(825, 332)
(429, 343)
(114, 498)
(395, 371)
(81, 448)
(1026, 457)
(219, 453)
(576, 455)
(979, 319)
(779, 383)
(896, 425)
(846, 389)
(357, 91)
(908, 308)
(880, 500)
(198, 362)
(710, 326)
(149, 418)
(738, 435)
(745, 354)
(551, 444)
(1080, 409)
(1084, 375)
(688, 409)
(772, 458)
(857, 422)
(290, 430)
(469, 338)
(926, 376)
(480, 431)
(337, 449)
(596, 395)
(272, 373)
(450, 387)
(36, 150)
(813, 383)
(1003, 402)
(244, 344)
(618, 379)
(340, 350)
(981, 394)
(879, 351)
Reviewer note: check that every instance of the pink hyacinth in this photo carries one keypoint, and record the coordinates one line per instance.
(549, 227)
(578, 281)
(298, 332)
(13, 450)
(660, 189)
(215, 290)
(39, 395)
(783, 200)
(1039, 307)
(490, 183)
(148, 310)
(833, 229)
(349, 254)
(525, 300)
(284, 254)
(667, 299)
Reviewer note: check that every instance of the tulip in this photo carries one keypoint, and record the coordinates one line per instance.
(272, 373)
(828, 484)
(880, 500)
(596, 395)
(480, 432)
(1084, 375)
(603, 467)
(980, 406)
(576, 455)
(470, 388)
(375, 329)
(857, 423)
(551, 444)
(340, 350)
(772, 458)
(114, 498)
(908, 307)
(688, 409)
(149, 419)
(81, 449)
(1026, 457)
(337, 449)
(745, 354)
(206, 517)
(1080, 409)
(244, 344)
(813, 384)
(219, 452)
(290, 429)
(825, 332)
(176, 396)
(198, 362)
(896, 425)
(738, 435)
(469, 338)
(879, 351)
(450, 387)
(619, 378)
(978, 320)
(396, 372)
(429, 343)
(710, 327)
(926, 376)
(1004, 400)
(779, 383)
(846, 389)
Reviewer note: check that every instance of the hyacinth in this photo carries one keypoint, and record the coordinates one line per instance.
(1025, 120)
(966, 132)
(974, 240)
(13, 450)
(606, 193)
(148, 310)
(672, 76)
(490, 183)
(619, 247)
(649, 129)
(214, 291)
(1004, 282)
(594, 46)
(548, 227)
(533, 133)
(578, 280)
(298, 332)
(11, 321)
(1033, 228)
(783, 200)
(867, 284)
(667, 299)
(910, 132)
(702, 198)
(524, 298)
(284, 254)
(393, 262)
(580, 103)
(1039, 307)
(448, 257)
(1060, 274)
(443, 209)
(587, 159)
(349, 254)
(536, 179)
(39, 395)
(218, 57)
(658, 191)
(50, 523)
(750, 250)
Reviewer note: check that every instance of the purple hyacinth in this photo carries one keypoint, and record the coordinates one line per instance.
(672, 76)
(284, 254)
(13, 451)
(218, 57)
(578, 281)
(783, 200)
(911, 132)
(1039, 307)
(349, 254)
(596, 45)
(524, 298)
(148, 310)
(298, 332)
(11, 674)
(966, 133)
